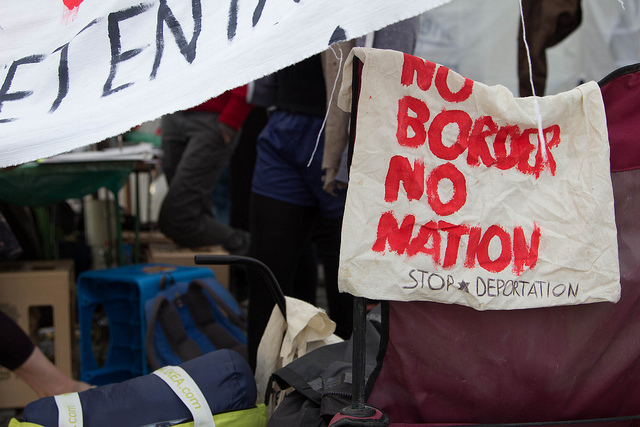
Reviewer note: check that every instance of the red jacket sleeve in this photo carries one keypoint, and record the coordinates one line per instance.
(236, 108)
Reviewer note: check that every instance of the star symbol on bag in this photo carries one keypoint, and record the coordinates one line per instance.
(464, 286)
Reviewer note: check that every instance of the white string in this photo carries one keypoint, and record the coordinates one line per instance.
(536, 106)
(621, 4)
(324, 122)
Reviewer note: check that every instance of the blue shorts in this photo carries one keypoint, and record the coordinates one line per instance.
(284, 148)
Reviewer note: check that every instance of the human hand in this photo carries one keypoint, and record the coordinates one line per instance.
(228, 133)
(330, 183)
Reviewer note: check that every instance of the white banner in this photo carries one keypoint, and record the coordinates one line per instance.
(74, 72)
(452, 198)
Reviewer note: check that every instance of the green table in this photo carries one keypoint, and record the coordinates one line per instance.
(43, 184)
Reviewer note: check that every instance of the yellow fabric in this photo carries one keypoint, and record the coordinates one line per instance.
(16, 423)
(252, 417)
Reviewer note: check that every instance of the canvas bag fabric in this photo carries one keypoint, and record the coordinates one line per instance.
(305, 329)
(452, 198)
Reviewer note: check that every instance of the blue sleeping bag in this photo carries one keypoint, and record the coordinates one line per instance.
(224, 378)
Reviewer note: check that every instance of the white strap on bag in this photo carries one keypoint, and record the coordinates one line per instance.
(69, 410)
(188, 391)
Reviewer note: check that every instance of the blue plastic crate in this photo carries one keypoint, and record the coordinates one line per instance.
(121, 293)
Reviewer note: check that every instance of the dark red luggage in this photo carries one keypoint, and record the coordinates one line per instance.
(448, 364)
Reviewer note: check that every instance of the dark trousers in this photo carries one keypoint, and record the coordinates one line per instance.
(290, 239)
(194, 157)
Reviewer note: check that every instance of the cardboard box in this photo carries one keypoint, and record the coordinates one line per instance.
(24, 288)
(171, 254)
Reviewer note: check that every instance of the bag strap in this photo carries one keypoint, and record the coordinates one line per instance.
(286, 377)
(69, 410)
(179, 341)
(204, 319)
(237, 319)
(187, 390)
(148, 339)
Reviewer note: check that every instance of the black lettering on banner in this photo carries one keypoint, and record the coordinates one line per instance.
(187, 49)
(114, 38)
(548, 288)
(506, 286)
(484, 287)
(232, 26)
(491, 286)
(63, 70)
(339, 34)
(573, 291)
(558, 290)
(417, 282)
(257, 12)
(63, 77)
(414, 279)
(440, 279)
(541, 286)
(450, 281)
(515, 289)
(5, 95)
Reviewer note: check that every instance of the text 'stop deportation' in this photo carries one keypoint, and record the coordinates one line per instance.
(452, 198)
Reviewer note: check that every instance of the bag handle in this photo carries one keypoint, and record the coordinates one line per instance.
(187, 390)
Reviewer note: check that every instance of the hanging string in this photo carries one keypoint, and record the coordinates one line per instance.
(621, 4)
(326, 115)
(536, 105)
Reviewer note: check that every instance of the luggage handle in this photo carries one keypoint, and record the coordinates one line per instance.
(260, 267)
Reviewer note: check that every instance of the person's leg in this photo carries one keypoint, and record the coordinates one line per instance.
(305, 282)
(340, 305)
(281, 239)
(283, 214)
(241, 168)
(327, 235)
(186, 215)
(174, 142)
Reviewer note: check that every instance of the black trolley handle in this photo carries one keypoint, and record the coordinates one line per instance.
(259, 266)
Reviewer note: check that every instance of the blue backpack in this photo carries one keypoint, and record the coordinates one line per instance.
(187, 320)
